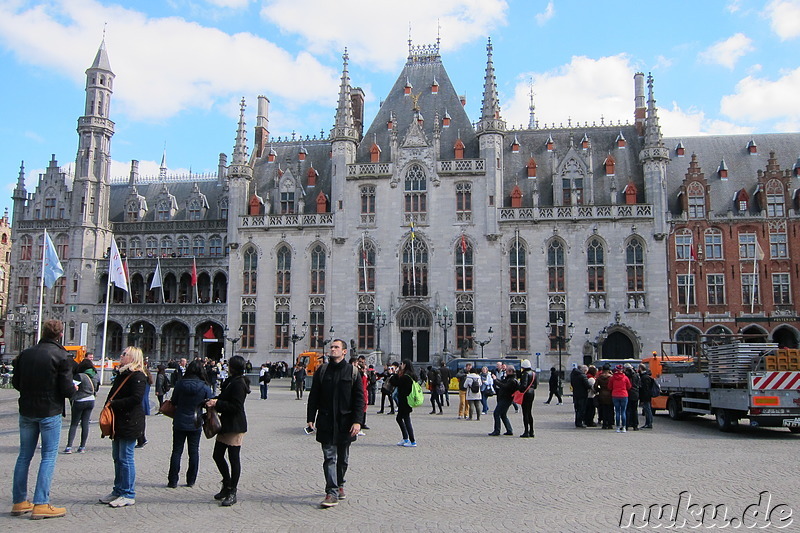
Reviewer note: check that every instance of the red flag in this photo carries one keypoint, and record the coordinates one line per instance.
(194, 272)
(463, 244)
(693, 252)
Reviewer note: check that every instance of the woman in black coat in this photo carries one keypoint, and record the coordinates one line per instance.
(403, 381)
(230, 405)
(190, 394)
(126, 403)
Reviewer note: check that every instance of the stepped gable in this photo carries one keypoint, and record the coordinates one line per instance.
(181, 190)
(423, 68)
(743, 166)
(567, 141)
(318, 154)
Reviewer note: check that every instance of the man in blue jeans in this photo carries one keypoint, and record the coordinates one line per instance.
(43, 377)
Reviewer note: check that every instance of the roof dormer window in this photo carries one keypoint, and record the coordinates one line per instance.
(531, 167)
(610, 165)
(621, 142)
(515, 146)
(434, 86)
(751, 147)
(458, 149)
(722, 171)
(680, 151)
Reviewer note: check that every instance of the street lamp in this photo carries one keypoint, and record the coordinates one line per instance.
(295, 336)
(483, 343)
(379, 321)
(137, 335)
(445, 319)
(232, 340)
(557, 333)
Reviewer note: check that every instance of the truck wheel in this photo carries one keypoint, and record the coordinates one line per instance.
(725, 421)
(674, 408)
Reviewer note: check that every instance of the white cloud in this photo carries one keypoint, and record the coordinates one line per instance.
(231, 4)
(547, 14)
(784, 18)
(728, 52)
(375, 32)
(163, 65)
(677, 122)
(662, 63)
(587, 88)
(759, 99)
(734, 6)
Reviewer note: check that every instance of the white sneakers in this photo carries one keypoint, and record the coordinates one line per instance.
(122, 501)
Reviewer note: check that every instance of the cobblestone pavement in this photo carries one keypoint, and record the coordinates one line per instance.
(458, 478)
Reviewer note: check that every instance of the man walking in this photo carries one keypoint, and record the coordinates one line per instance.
(43, 377)
(580, 393)
(335, 407)
(444, 373)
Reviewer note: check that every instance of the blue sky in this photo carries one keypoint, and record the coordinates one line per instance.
(183, 65)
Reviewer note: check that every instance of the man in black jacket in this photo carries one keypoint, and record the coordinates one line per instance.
(43, 377)
(335, 407)
(580, 393)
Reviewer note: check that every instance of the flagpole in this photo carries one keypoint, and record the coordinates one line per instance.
(364, 260)
(755, 274)
(41, 287)
(689, 275)
(196, 280)
(463, 263)
(160, 279)
(413, 264)
(105, 331)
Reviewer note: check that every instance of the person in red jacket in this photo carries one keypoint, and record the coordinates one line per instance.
(620, 385)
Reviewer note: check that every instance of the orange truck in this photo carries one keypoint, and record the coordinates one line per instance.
(78, 352)
(312, 361)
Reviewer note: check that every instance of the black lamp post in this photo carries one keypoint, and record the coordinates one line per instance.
(483, 343)
(233, 340)
(558, 333)
(445, 320)
(295, 338)
(137, 335)
(379, 321)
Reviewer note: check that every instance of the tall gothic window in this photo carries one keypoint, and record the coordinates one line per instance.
(781, 292)
(517, 272)
(366, 330)
(287, 202)
(194, 210)
(415, 188)
(62, 247)
(250, 272)
(555, 266)
(463, 201)
(282, 329)
(23, 284)
(49, 208)
(775, 207)
(283, 272)
(151, 247)
(58, 290)
(366, 267)
(163, 210)
(464, 263)
(634, 268)
(317, 271)
(199, 246)
(519, 328)
(415, 267)
(750, 292)
(697, 200)
(136, 247)
(223, 208)
(184, 249)
(368, 204)
(166, 246)
(215, 246)
(25, 248)
(778, 245)
(248, 329)
(316, 328)
(596, 266)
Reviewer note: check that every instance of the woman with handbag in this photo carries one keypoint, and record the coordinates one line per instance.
(527, 384)
(162, 385)
(82, 404)
(505, 387)
(487, 388)
(230, 405)
(125, 401)
(190, 393)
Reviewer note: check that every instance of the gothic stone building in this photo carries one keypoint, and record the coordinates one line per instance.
(413, 235)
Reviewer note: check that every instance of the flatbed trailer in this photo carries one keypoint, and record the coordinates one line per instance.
(732, 381)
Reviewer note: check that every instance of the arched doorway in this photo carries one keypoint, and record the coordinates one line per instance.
(618, 346)
(415, 328)
(754, 334)
(785, 337)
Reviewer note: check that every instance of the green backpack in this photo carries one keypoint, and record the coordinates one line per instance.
(415, 398)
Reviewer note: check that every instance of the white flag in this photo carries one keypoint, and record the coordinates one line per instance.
(156, 277)
(116, 272)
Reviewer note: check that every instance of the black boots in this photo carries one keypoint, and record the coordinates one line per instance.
(230, 499)
(222, 494)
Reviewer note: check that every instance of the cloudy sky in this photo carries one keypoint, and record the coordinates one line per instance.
(183, 65)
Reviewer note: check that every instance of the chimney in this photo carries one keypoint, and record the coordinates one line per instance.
(357, 101)
(640, 106)
(262, 125)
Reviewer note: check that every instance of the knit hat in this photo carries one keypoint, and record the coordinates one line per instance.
(526, 363)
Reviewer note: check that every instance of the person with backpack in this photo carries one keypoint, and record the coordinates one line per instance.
(632, 413)
(647, 388)
(435, 386)
(82, 404)
(472, 383)
(403, 381)
(462, 391)
(527, 384)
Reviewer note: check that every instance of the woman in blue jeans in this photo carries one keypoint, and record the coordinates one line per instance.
(505, 388)
(126, 401)
(190, 393)
(620, 385)
(82, 404)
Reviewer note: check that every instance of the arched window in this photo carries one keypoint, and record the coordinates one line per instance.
(199, 246)
(223, 208)
(183, 246)
(163, 210)
(166, 246)
(193, 211)
(555, 266)
(283, 272)
(596, 265)
(250, 271)
(415, 267)
(463, 201)
(464, 266)
(415, 193)
(151, 247)
(62, 247)
(25, 248)
(775, 200)
(634, 268)
(687, 340)
(696, 200)
(318, 270)
(516, 263)
(368, 204)
(136, 247)
(215, 246)
(49, 208)
(132, 212)
(366, 267)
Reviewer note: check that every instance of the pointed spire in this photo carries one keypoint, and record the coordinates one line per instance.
(101, 59)
(344, 126)
(162, 170)
(491, 103)
(240, 147)
(531, 110)
(21, 178)
(652, 134)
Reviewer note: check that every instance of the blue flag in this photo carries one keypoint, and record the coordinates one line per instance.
(51, 269)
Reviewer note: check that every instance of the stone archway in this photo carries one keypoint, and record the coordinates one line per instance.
(619, 346)
(785, 337)
(415, 332)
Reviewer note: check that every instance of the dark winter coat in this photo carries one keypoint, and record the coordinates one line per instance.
(189, 394)
(633, 392)
(230, 404)
(602, 386)
(403, 385)
(525, 378)
(506, 387)
(127, 404)
(336, 402)
(580, 384)
(645, 388)
(43, 377)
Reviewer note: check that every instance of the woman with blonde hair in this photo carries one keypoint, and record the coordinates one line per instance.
(126, 401)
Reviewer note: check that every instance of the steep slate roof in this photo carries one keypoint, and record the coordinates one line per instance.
(421, 74)
(742, 166)
(182, 190)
